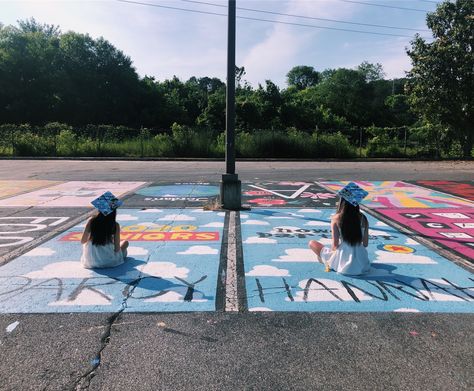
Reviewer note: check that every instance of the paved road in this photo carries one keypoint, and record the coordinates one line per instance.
(216, 350)
(152, 171)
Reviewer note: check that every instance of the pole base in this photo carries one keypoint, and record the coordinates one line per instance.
(231, 192)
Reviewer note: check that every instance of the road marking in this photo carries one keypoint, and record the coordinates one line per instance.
(231, 299)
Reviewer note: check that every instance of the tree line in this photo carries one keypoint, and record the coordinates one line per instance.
(50, 76)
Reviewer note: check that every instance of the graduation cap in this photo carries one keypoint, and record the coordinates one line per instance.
(106, 203)
(352, 193)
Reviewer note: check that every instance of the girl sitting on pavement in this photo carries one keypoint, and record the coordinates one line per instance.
(350, 236)
(100, 240)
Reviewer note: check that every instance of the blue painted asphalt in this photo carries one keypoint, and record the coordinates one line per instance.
(282, 274)
(176, 274)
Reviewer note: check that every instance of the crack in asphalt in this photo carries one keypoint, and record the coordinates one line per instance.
(83, 381)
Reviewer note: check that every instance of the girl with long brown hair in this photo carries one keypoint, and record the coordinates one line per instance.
(101, 246)
(350, 238)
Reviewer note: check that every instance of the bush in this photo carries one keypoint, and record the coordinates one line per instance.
(333, 145)
(384, 146)
(162, 146)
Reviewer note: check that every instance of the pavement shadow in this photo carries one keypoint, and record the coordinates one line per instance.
(386, 273)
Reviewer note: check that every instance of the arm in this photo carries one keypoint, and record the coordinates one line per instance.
(335, 234)
(86, 235)
(117, 237)
(365, 235)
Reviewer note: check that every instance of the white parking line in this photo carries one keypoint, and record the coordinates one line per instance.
(231, 299)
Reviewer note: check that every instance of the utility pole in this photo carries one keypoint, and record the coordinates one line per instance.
(230, 187)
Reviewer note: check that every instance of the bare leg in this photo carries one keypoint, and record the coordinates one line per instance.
(316, 247)
(124, 245)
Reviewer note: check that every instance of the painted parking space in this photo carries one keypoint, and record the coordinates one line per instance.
(172, 266)
(452, 229)
(282, 274)
(286, 194)
(12, 187)
(398, 194)
(19, 227)
(460, 189)
(174, 195)
(74, 194)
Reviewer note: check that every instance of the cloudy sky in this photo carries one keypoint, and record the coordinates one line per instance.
(163, 42)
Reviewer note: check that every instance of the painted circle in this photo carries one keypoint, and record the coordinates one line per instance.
(396, 248)
(179, 191)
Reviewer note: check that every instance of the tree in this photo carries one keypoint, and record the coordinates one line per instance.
(345, 93)
(302, 77)
(371, 72)
(441, 82)
(29, 70)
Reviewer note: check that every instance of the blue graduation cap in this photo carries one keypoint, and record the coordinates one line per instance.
(106, 203)
(352, 193)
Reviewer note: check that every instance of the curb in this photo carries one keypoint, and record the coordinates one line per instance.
(198, 159)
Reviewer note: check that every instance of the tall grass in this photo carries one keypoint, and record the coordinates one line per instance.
(56, 139)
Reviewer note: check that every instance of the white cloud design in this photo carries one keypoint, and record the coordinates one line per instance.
(244, 216)
(40, 252)
(168, 297)
(164, 270)
(126, 217)
(199, 250)
(308, 210)
(297, 255)
(178, 217)
(411, 242)
(388, 257)
(221, 214)
(316, 223)
(268, 271)
(380, 224)
(201, 211)
(260, 309)
(198, 297)
(406, 310)
(66, 269)
(257, 240)
(86, 297)
(317, 292)
(151, 210)
(375, 232)
(136, 251)
(289, 216)
(256, 222)
(215, 224)
(438, 294)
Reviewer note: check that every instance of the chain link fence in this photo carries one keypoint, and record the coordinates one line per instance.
(55, 139)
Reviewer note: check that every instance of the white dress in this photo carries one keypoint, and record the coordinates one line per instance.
(347, 259)
(94, 256)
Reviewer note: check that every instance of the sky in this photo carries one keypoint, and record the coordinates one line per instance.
(164, 42)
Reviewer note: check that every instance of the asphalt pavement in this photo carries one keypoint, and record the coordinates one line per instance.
(132, 339)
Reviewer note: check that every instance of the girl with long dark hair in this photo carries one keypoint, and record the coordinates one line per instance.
(350, 237)
(101, 246)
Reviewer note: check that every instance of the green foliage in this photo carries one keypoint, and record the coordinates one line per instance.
(441, 82)
(49, 79)
(302, 76)
(28, 142)
(293, 143)
(371, 72)
(384, 146)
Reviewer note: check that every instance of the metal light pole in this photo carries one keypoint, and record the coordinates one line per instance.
(230, 185)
